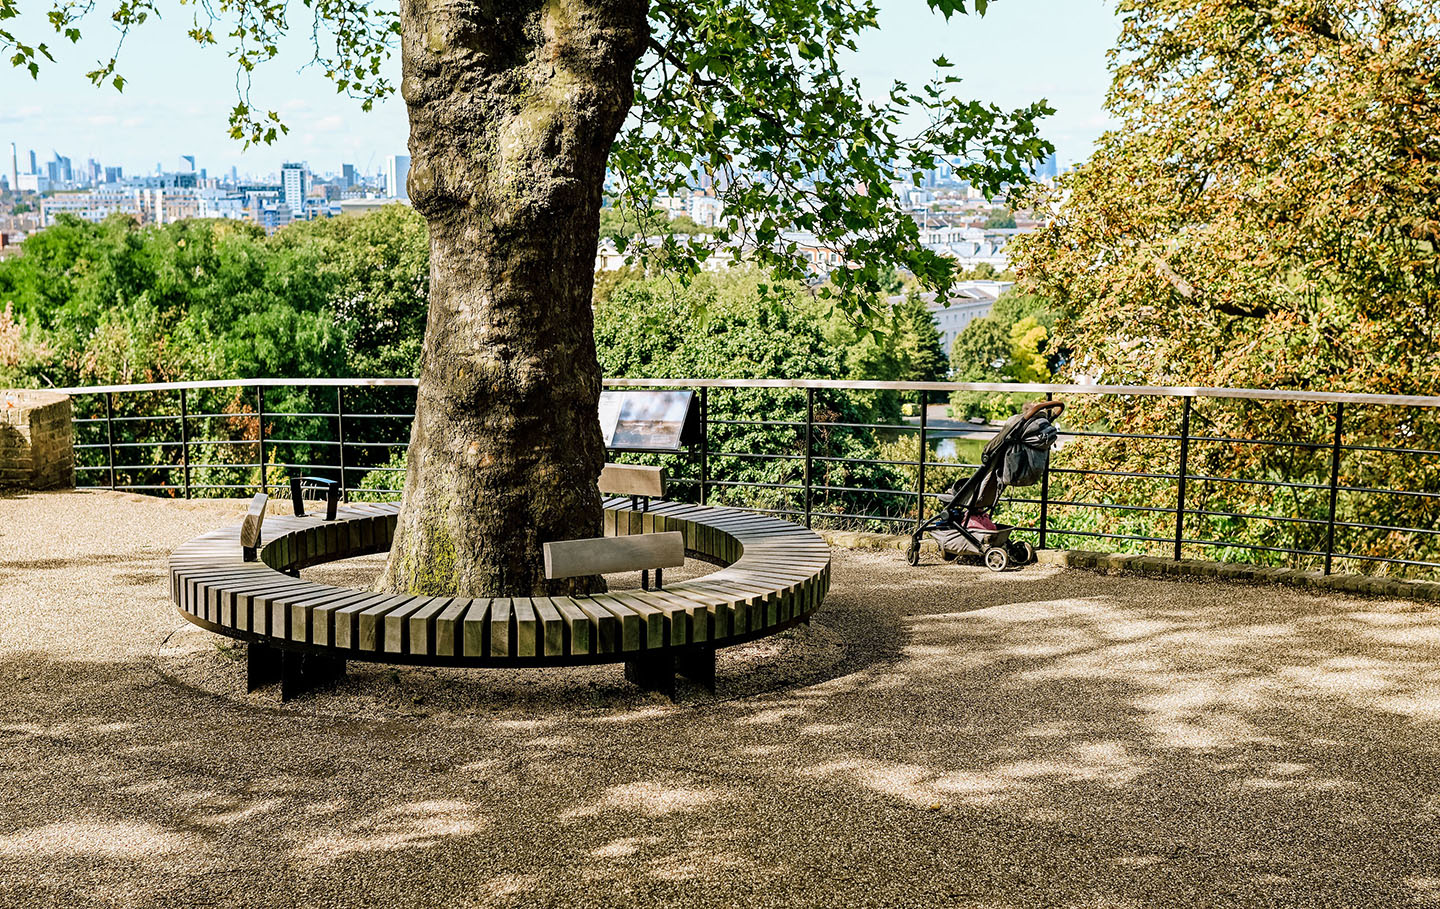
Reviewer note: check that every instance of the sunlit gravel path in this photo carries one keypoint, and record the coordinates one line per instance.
(938, 737)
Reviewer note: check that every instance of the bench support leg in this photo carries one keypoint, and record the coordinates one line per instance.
(653, 672)
(302, 672)
(262, 665)
(698, 665)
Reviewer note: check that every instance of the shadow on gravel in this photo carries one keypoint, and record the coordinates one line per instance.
(1045, 738)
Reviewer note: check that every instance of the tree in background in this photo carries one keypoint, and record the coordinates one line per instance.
(1268, 211)
(1267, 214)
(740, 324)
(1011, 344)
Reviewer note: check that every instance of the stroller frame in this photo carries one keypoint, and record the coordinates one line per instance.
(949, 527)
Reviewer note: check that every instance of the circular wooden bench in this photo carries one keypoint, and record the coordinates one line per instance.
(774, 575)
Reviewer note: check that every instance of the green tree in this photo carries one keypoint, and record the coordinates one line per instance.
(515, 118)
(725, 325)
(1008, 345)
(1267, 214)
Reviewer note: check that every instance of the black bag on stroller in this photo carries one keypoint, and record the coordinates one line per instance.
(1016, 456)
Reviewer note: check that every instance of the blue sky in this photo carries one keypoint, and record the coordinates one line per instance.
(178, 95)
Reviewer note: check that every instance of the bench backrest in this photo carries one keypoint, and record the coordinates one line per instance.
(254, 521)
(602, 555)
(632, 480)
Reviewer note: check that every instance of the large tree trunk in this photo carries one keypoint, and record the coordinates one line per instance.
(513, 108)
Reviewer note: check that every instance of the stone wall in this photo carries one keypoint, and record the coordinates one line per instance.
(36, 440)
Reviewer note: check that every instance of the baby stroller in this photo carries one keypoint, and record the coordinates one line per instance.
(1016, 456)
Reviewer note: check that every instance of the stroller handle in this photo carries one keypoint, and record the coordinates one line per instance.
(1035, 407)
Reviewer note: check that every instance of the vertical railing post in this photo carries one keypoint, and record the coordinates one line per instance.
(185, 441)
(1184, 471)
(704, 441)
(110, 435)
(809, 450)
(260, 420)
(1334, 485)
(340, 437)
(1045, 494)
(924, 452)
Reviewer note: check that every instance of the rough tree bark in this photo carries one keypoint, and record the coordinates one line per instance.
(513, 108)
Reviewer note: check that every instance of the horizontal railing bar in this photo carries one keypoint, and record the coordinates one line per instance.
(1246, 516)
(1053, 531)
(1106, 505)
(908, 493)
(1428, 531)
(1375, 490)
(714, 422)
(764, 457)
(903, 426)
(1175, 391)
(1273, 442)
(238, 383)
(1386, 559)
(1116, 473)
(862, 517)
(789, 511)
(749, 485)
(1116, 435)
(1414, 451)
(1215, 544)
(830, 460)
(1281, 484)
(302, 441)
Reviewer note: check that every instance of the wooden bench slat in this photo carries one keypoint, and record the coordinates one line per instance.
(607, 555)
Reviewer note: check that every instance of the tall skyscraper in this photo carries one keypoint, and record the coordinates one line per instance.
(34, 168)
(113, 174)
(397, 168)
(187, 164)
(60, 170)
(15, 170)
(294, 186)
(347, 175)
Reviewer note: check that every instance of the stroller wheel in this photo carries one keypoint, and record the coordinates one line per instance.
(997, 559)
(1022, 553)
(912, 554)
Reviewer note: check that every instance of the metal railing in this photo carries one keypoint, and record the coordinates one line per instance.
(799, 458)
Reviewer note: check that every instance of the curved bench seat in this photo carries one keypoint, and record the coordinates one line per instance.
(775, 574)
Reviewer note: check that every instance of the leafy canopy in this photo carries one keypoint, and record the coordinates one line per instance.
(1268, 211)
(750, 94)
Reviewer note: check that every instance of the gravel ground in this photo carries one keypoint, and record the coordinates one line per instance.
(937, 737)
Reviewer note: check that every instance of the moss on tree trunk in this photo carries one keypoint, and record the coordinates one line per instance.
(513, 108)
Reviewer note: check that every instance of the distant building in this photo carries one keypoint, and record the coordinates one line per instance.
(147, 204)
(347, 176)
(707, 211)
(274, 217)
(59, 171)
(114, 174)
(294, 186)
(32, 183)
(364, 206)
(969, 300)
(397, 170)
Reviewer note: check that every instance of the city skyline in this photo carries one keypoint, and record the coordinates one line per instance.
(1021, 51)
